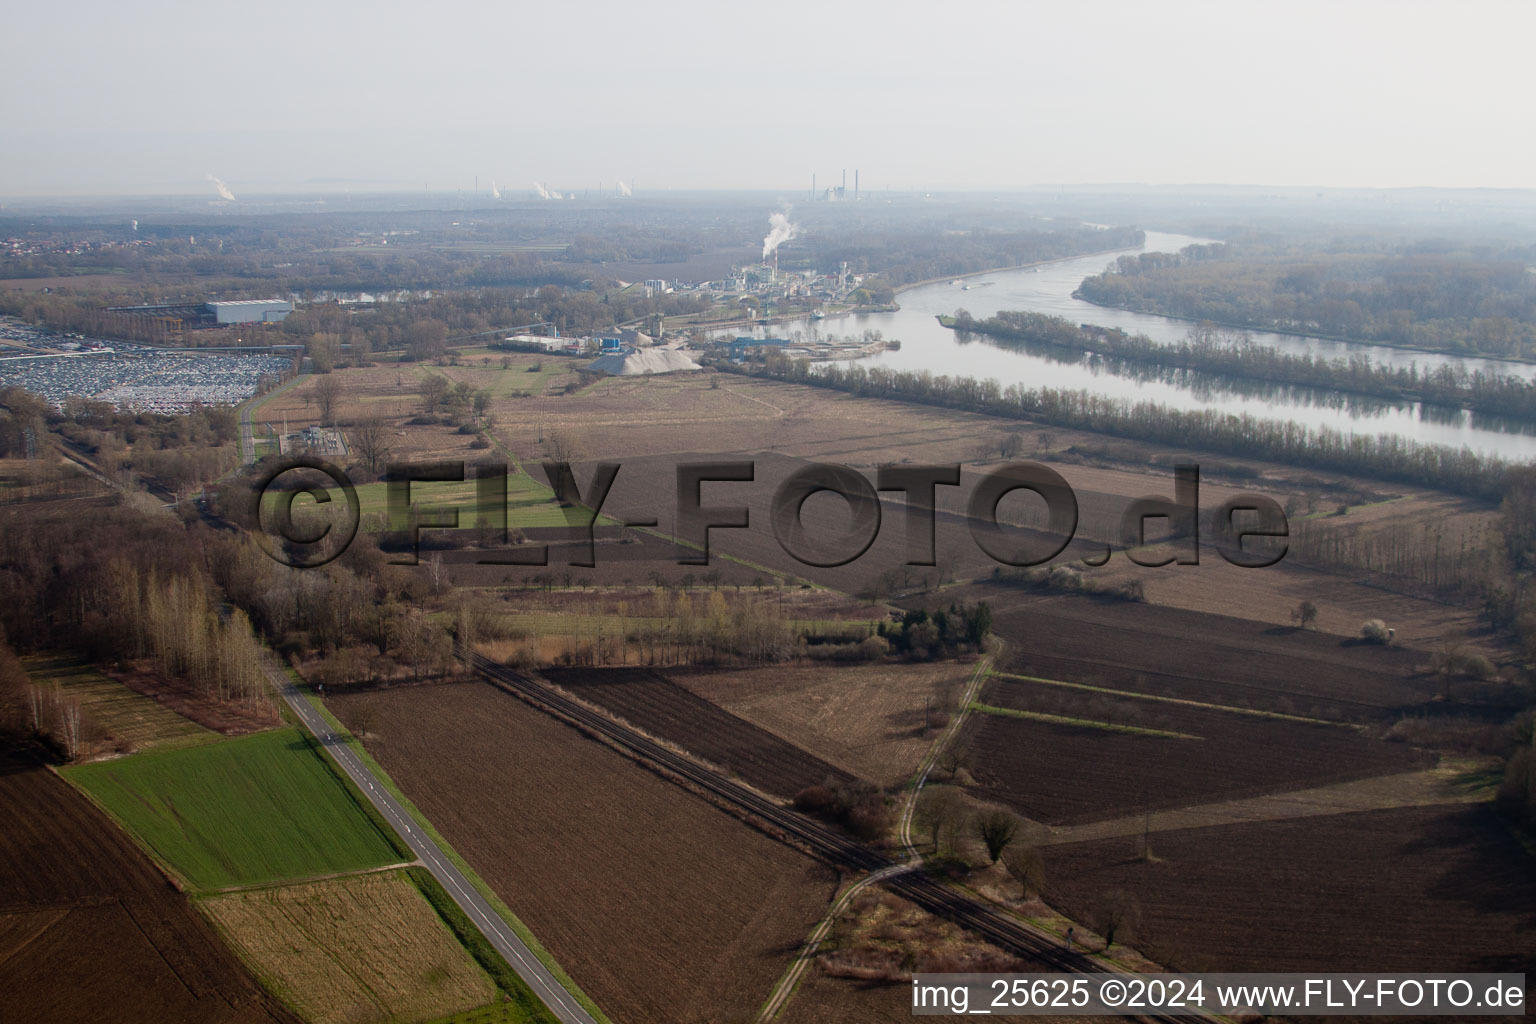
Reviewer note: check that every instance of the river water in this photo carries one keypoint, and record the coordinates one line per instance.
(1048, 289)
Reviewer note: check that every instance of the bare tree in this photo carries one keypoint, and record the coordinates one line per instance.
(939, 811)
(365, 718)
(953, 758)
(370, 439)
(1304, 614)
(1119, 914)
(35, 705)
(412, 642)
(996, 829)
(1027, 867)
(563, 447)
(434, 391)
(327, 392)
(436, 573)
(67, 711)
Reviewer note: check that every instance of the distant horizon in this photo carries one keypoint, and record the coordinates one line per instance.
(246, 192)
(114, 100)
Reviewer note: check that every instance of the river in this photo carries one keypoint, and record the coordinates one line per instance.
(1048, 289)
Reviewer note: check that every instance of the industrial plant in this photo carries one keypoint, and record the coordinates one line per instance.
(191, 316)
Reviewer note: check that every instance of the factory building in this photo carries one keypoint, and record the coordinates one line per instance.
(246, 311)
(212, 314)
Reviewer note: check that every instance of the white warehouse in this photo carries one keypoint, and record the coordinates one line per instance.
(245, 311)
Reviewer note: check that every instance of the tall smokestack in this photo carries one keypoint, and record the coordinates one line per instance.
(855, 183)
(845, 179)
(813, 184)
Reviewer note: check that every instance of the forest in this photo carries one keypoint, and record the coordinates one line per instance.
(1236, 356)
(1476, 300)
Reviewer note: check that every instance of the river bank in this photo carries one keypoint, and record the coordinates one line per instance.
(1045, 288)
(1513, 398)
(1017, 266)
(1290, 333)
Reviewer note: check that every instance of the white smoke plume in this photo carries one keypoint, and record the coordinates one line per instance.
(625, 190)
(224, 192)
(495, 192)
(780, 230)
(546, 193)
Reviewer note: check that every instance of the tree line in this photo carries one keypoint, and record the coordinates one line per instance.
(118, 584)
(1206, 350)
(176, 452)
(1475, 301)
(1390, 458)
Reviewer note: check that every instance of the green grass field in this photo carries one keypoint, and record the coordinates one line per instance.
(245, 811)
(520, 377)
(530, 503)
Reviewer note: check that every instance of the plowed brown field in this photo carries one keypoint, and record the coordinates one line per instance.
(1061, 774)
(662, 708)
(661, 906)
(1412, 889)
(90, 930)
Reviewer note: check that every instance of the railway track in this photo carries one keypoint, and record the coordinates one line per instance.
(917, 886)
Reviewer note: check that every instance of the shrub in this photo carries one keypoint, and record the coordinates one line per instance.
(1064, 577)
(1479, 667)
(1374, 631)
(872, 817)
(815, 800)
(863, 809)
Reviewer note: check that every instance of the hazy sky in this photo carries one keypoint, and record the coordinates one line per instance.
(112, 97)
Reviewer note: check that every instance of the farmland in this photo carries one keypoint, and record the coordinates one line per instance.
(1061, 773)
(869, 720)
(1247, 711)
(660, 707)
(363, 948)
(226, 717)
(127, 721)
(1411, 889)
(250, 810)
(584, 846)
(89, 927)
(1216, 658)
(648, 423)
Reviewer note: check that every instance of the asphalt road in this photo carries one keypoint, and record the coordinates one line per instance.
(247, 434)
(528, 967)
